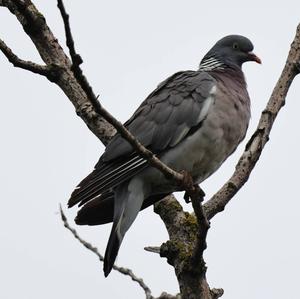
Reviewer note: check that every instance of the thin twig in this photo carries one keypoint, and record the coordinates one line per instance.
(43, 70)
(122, 270)
(153, 249)
(76, 58)
(51, 52)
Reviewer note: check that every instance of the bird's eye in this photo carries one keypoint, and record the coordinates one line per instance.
(235, 46)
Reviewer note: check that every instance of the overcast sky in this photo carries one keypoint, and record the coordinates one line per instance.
(129, 47)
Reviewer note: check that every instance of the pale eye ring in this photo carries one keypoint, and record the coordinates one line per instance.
(235, 46)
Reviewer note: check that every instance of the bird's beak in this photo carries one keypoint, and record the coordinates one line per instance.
(253, 57)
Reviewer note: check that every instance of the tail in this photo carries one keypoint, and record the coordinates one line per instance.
(129, 198)
(112, 250)
(100, 210)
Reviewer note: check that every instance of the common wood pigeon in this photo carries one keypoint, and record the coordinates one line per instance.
(192, 121)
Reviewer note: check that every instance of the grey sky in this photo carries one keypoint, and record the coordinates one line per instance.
(128, 47)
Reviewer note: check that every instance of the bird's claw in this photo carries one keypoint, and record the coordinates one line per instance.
(186, 197)
(193, 189)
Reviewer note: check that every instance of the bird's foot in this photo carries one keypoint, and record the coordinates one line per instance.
(192, 190)
(186, 197)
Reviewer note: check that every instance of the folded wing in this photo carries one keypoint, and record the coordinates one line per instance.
(168, 115)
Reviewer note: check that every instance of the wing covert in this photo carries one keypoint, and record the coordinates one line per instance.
(168, 114)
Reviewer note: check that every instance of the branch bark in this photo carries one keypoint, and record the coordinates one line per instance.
(42, 70)
(34, 25)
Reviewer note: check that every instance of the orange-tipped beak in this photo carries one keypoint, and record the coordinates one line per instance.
(253, 57)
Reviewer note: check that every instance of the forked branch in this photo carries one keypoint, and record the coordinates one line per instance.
(42, 70)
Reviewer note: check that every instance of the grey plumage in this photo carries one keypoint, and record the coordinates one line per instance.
(176, 102)
(193, 121)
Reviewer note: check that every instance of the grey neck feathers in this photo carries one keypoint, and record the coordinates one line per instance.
(221, 70)
(219, 66)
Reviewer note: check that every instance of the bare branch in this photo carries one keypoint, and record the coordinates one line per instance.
(153, 249)
(122, 270)
(260, 137)
(43, 70)
(76, 58)
(34, 24)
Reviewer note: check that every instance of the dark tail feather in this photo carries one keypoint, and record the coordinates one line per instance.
(101, 209)
(97, 211)
(111, 252)
(124, 216)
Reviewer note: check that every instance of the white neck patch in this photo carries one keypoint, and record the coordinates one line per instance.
(211, 63)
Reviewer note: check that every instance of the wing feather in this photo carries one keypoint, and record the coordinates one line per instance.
(186, 91)
(105, 178)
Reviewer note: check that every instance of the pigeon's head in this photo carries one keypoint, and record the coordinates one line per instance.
(232, 50)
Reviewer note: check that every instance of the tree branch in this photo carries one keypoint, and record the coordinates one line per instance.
(153, 249)
(122, 270)
(34, 24)
(260, 137)
(43, 70)
(76, 58)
